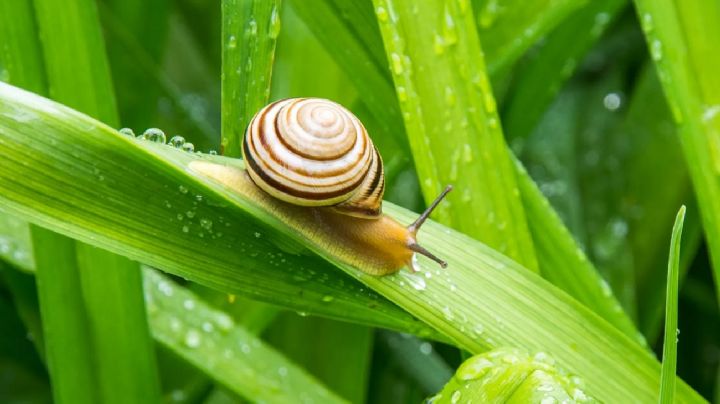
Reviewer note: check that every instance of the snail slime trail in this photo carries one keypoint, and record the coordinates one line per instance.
(311, 163)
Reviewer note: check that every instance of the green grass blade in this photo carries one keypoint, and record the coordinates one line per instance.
(509, 28)
(539, 78)
(204, 259)
(23, 288)
(452, 122)
(348, 29)
(669, 358)
(136, 19)
(118, 361)
(518, 308)
(211, 340)
(250, 30)
(418, 359)
(337, 353)
(564, 263)
(64, 320)
(21, 61)
(559, 259)
(657, 182)
(681, 37)
(26, 375)
(509, 375)
(75, 61)
(146, 69)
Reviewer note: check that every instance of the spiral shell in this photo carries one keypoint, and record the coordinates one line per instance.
(314, 152)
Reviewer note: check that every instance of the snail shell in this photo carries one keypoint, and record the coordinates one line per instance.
(314, 152)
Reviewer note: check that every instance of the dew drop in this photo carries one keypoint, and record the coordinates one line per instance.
(382, 14)
(154, 135)
(647, 23)
(416, 281)
(183, 189)
(397, 65)
(232, 42)
(192, 339)
(127, 132)
(178, 395)
(188, 147)
(438, 44)
(710, 112)
(175, 324)
(449, 96)
(177, 141)
(473, 368)
(165, 288)
(612, 101)
(252, 28)
(401, 93)
(449, 30)
(224, 321)
(467, 153)
(208, 326)
(274, 24)
(328, 298)
(455, 397)
(656, 50)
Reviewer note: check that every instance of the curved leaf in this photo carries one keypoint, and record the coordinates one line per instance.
(83, 179)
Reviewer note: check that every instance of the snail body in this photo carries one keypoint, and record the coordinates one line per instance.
(315, 158)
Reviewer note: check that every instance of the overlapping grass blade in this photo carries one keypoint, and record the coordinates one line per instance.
(681, 38)
(124, 22)
(561, 261)
(507, 29)
(102, 305)
(188, 223)
(518, 308)
(206, 337)
(141, 69)
(354, 32)
(669, 359)
(538, 79)
(452, 123)
(250, 30)
(657, 182)
(418, 360)
(210, 339)
(337, 353)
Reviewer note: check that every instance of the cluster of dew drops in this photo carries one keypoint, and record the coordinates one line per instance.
(156, 135)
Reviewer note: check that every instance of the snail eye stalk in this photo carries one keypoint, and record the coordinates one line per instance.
(415, 227)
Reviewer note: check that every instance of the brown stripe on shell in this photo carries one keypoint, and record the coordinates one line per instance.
(367, 202)
(364, 192)
(252, 165)
(257, 132)
(286, 112)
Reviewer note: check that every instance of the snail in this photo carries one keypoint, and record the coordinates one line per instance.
(316, 156)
